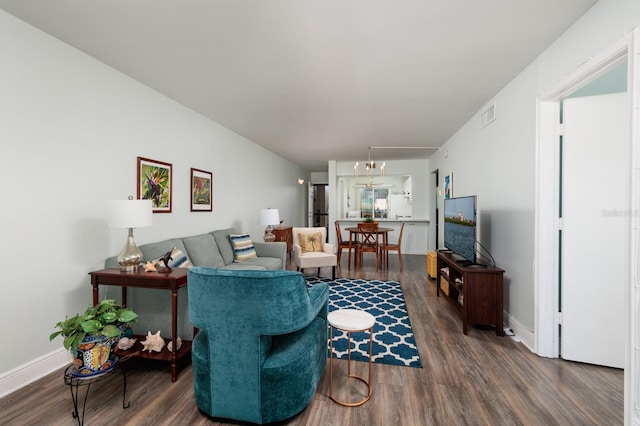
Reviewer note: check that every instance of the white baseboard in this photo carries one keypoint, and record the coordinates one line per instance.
(24, 374)
(526, 336)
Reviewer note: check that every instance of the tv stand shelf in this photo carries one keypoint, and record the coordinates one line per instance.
(476, 292)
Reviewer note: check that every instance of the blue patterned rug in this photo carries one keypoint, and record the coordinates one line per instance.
(393, 340)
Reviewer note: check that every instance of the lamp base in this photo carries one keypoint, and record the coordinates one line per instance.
(129, 268)
(130, 256)
(269, 237)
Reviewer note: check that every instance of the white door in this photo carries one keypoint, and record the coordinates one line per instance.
(595, 211)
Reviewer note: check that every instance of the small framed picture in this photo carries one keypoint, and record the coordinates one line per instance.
(201, 190)
(448, 186)
(155, 184)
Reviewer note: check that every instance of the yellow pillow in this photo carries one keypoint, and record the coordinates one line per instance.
(310, 242)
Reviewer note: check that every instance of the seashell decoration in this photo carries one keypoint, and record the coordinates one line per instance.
(126, 343)
(178, 344)
(153, 342)
(149, 267)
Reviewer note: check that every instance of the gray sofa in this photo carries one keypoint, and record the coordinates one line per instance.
(212, 249)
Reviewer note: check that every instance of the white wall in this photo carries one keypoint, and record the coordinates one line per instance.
(70, 131)
(497, 163)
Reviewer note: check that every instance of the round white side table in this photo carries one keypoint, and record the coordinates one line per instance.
(349, 320)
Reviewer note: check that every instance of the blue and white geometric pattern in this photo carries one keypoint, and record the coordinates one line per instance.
(393, 340)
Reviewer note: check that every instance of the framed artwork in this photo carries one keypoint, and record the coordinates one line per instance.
(201, 190)
(155, 184)
(448, 186)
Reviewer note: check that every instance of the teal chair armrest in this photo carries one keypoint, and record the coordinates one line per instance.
(319, 297)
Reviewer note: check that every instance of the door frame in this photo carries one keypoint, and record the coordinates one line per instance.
(546, 208)
(435, 211)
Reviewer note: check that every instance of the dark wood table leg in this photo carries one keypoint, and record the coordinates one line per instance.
(174, 334)
(94, 284)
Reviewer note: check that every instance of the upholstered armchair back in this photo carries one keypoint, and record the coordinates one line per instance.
(243, 316)
(310, 230)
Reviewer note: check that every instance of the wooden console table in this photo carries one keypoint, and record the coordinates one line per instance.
(476, 292)
(284, 234)
(171, 281)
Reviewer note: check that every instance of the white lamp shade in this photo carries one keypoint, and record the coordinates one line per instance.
(269, 217)
(130, 213)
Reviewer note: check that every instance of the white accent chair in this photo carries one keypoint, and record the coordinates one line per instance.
(314, 259)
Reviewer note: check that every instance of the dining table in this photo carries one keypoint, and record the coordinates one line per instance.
(354, 231)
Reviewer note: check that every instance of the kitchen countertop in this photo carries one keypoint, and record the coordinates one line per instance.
(400, 219)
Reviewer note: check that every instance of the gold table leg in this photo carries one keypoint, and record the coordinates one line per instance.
(352, 376)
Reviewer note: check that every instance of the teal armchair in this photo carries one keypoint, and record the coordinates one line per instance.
(262, 345)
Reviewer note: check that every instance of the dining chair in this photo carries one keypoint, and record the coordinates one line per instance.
(386, 248)
(368, 242)
(345, 245)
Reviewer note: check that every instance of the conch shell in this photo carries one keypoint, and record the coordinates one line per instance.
(125, 343)
(178, 344)
(153, 342)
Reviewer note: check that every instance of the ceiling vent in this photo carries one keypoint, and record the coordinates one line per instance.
(488, 115)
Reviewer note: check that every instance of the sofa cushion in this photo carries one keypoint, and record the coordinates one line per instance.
(242, 247)
(271, 263)
(224, 243)
(243, 266)
(154, 251)
(268, 263)
(203, 250)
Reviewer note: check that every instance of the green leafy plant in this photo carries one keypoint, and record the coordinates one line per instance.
(107, 318)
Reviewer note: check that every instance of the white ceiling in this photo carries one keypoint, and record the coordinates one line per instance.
(317, 80)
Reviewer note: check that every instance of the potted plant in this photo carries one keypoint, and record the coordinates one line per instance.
(92, 335)
(369, 219)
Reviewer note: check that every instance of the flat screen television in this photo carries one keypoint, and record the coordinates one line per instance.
(460, 227)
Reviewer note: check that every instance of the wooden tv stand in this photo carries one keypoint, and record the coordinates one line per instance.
(476, 292)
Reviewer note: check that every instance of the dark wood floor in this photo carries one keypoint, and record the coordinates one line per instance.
(478, 379)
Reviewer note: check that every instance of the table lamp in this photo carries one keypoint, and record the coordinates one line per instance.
(269, 217)
(130, 214)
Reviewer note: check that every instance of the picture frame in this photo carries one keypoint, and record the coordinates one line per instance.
(155, 183)
(201, 190)
(448, 186)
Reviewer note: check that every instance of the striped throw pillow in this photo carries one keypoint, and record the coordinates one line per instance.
(243, 248)
(178, 260)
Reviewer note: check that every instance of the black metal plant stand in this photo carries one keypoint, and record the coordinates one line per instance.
(76, 382)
